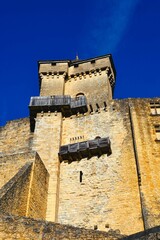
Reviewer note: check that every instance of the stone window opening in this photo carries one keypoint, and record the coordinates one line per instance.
(53, 64)
(79, 95)
(106, 225)
(93, 61)
(113, 108)
(95, 227)
(80, 176)
(157, 130)
(98, 107)
(91, 108)
(105, 105)
(155, 108)
(97, 137)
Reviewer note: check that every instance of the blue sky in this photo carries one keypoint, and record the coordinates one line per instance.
(39, 30)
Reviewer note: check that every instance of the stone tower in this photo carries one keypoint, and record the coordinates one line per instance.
(82, 158)
(72, 96)
(83, 142)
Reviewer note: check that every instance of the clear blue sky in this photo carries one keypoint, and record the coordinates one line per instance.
(35, 30)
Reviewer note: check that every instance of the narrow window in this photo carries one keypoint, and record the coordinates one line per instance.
(113, 108)
(80, 176)
(105, 105)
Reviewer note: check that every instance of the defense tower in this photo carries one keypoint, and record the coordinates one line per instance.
(70, 92)
(76, 136)
(82, 158)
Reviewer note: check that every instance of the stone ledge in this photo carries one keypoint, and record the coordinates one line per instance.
(151, 234)
(28, 228)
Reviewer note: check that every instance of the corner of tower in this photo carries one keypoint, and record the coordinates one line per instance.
(52, 74)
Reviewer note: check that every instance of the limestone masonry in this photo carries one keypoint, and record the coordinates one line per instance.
(83, 165)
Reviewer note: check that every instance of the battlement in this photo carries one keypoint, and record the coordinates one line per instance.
(61, 66)
(53, 66)
(93, 66)
(54, 74)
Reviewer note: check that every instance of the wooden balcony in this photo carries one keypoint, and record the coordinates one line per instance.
(65, 104)
(86, 149)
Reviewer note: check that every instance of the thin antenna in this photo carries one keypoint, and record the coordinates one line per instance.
(77, 58)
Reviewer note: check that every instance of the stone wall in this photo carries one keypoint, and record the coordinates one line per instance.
(14, 194)
(52, 85)
(14, 227)
(90, 86)
(70, 78)
(148, 155)
(149, 234)
(38, 192)
(47, 140)
(52, 77)
(25, 228)
(53, 66)
(12, 163)
(120, 191)
(15, 137)
(25, 194)
(109, 183)
(90, 65)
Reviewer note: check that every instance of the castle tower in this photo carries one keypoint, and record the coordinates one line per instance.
(82, 158)
(82, 135)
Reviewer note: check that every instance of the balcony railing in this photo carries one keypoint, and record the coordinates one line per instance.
(65, 104)
(86, 149)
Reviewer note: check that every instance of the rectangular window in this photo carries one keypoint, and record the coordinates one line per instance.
(93, 61)
(157, 129)
(155, 108)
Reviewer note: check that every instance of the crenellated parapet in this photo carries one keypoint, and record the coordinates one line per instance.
(53, 66)
(94, 67)
(93, 73)
(54, 74)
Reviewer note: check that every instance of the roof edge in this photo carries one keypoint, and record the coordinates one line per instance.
(72, 62)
